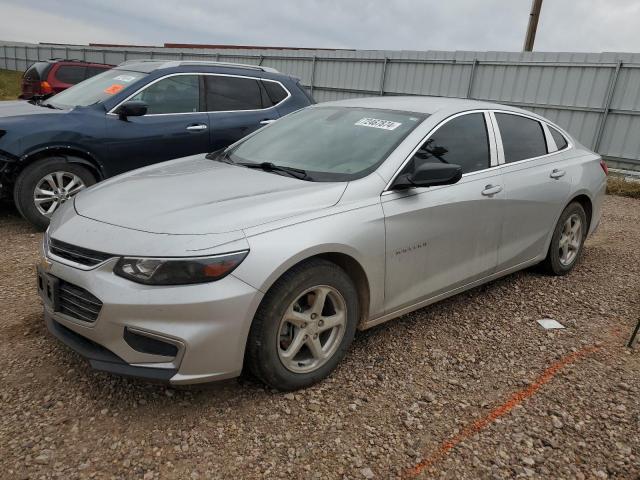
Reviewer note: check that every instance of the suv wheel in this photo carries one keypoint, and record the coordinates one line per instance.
(304, 326)
(567, 241)
(45, 185)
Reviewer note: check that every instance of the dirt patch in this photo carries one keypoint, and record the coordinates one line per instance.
(405, 388)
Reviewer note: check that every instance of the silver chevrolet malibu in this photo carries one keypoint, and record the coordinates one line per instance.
(268, 255)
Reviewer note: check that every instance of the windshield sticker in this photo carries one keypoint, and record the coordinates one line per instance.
(125, 78)
(113, 89)
(377, 123)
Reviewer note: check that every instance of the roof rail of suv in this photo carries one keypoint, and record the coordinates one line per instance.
(177, 63)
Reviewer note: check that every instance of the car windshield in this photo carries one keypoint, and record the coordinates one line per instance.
(329, 143)
(95, 89)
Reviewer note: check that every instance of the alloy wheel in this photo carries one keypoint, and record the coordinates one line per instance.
(312, 329)
(570, 240)
(54, 189)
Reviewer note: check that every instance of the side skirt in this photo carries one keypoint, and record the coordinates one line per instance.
(372, 322)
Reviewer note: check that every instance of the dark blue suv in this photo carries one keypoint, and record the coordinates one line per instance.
(139, 113)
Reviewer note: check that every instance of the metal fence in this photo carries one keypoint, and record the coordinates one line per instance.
(594, 96)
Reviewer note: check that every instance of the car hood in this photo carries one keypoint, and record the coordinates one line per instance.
(20, 108)
(195, 195)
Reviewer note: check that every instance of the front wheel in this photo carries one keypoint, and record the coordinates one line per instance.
(304, 326)
(567, 241)
(45, 185)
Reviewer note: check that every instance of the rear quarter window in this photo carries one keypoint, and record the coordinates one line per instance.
(275, 93)
(561, 142)
(522, 137)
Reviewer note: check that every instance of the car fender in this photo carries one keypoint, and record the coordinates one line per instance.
(358, 234)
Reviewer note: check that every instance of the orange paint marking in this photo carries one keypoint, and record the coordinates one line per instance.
(515, 399)
(113, 89)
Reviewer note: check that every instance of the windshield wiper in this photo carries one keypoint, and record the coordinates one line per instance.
(48, 105)
(272, 167)
(220, 156)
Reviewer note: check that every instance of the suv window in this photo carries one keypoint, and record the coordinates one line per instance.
(522, 137)
(232, 93)
(561, 142)
(275, 93)
(70, 74)
(462, 141)
(176, 94)
(91, 71)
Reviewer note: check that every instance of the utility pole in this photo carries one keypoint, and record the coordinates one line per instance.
(530, 37)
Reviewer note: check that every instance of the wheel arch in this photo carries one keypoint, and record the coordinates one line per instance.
(73, 154)
(351, 266)
(587, 204)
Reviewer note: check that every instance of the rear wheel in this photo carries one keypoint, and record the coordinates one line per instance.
(567, 241)
(45, 185)
(304, 326)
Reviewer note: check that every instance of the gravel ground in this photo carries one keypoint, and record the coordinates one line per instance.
(405, 388)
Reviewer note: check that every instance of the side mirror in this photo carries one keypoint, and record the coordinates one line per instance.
(132, 108)
(429, 175)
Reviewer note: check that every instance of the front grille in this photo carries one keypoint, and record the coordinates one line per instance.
(77, 302)
(80, 255)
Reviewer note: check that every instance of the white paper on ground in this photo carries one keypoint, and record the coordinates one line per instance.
(548, 323)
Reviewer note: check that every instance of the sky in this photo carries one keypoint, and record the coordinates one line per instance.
(565, 25)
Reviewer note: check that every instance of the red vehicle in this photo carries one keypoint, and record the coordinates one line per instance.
(53, 76)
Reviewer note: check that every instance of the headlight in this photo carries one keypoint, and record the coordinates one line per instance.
(178, 271)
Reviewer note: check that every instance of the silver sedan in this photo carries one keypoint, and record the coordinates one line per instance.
(268, 255)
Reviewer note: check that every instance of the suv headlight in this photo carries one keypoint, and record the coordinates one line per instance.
(178, 271)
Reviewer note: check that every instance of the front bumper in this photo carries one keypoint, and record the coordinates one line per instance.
(206, 325)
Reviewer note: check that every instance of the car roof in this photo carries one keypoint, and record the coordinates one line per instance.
(148, 66)
(421, 104)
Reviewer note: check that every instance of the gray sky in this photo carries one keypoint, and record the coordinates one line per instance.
(565, 25)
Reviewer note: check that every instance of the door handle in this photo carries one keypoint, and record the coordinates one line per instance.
(491, 190)
(266, 122)
(557, 173)
(197, 127)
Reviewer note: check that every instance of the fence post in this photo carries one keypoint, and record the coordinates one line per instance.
(383, 75)
(472, 76)
(607, 106)
(313, 74)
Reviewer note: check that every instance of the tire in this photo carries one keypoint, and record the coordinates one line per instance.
(271, 337)
(35, 173)
(556, 262)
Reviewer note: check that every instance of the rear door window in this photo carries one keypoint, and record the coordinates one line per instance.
(522, 137)
(176, 94)
(70, 74)
(561, 142)
(224, 94)
(461, 141)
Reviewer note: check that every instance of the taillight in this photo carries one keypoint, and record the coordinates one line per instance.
(605, 169)
(45, 88)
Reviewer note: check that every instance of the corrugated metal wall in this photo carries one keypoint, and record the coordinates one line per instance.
(594, 96)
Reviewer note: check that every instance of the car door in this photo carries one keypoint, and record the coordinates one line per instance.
(537, 185)
(237, 106)
(443, 237)
(175, 125)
